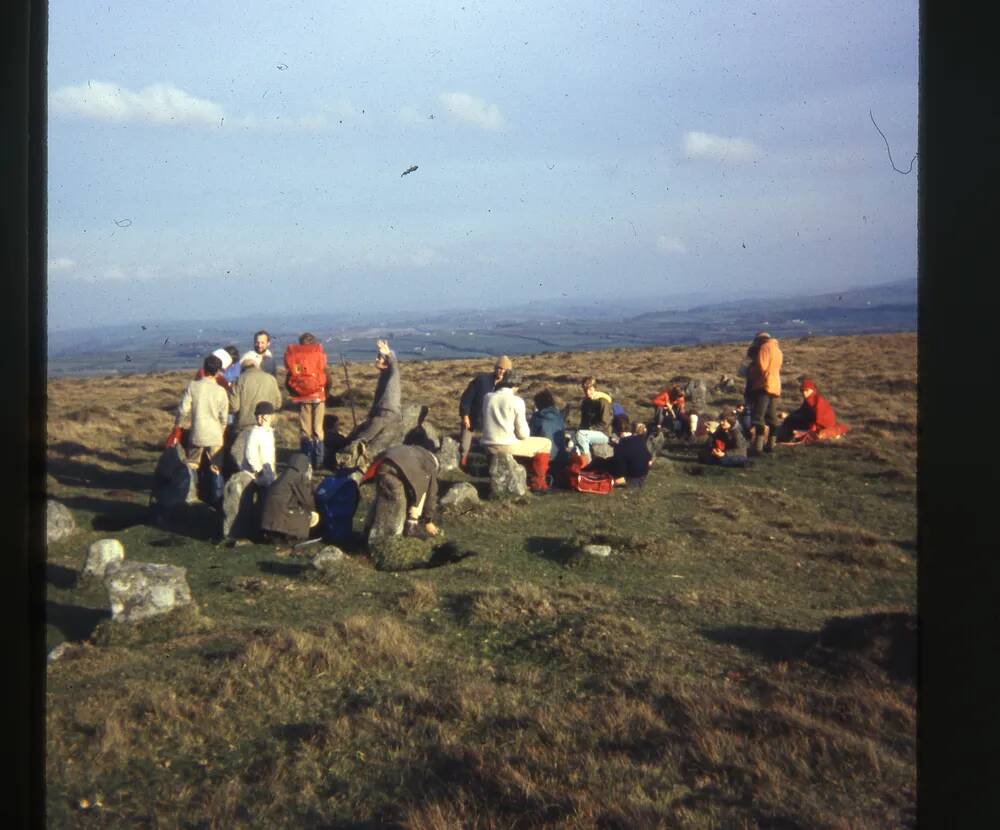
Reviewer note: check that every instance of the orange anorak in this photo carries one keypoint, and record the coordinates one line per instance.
(766, 368)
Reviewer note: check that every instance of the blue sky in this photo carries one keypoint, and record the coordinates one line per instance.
(208, 161)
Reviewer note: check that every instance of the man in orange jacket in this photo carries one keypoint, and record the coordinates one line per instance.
(764, 377)
(307, 384)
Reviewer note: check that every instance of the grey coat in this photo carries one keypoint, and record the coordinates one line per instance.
(388, 391)
(289, 500)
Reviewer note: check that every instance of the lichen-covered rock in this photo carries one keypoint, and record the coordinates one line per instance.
(174, 482)
(59, 522)
(101, 554)
(603, 551)
(240, 516)
(137, 590)
(696, 394)
(508, 479)
(328, 559)
(401, 553)
(448, 454)
(459, 496)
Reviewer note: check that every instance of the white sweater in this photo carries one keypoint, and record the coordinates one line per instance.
(259, 456)
(504, 418)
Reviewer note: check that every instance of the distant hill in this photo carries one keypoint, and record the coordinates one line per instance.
(526, 329)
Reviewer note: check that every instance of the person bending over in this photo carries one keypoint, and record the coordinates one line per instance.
(406, 488)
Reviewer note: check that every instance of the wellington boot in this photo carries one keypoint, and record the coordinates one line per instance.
(771, 437)
(758, 444)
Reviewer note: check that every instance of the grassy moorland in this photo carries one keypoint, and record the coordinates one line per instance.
(746, 657)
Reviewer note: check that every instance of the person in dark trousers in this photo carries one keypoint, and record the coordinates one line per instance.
(470, 407)
(764, 377)
(727, 446)
(289, 506)
(632, 459)
(386, 412)
(405, 479)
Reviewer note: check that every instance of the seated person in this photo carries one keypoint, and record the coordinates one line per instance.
(595, 418)
(814, 420)
(289, 506)
(727, 446)
(505, 426)
(257, 450)
(671, 413)
(548, 422)
(406, 488)
(632, 459)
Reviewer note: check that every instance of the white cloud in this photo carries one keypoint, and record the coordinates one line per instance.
(162, 104)
(61, 264)
(716, 148)
(671, 244)
(471, 110)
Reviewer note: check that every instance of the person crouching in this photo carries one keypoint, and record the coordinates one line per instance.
(289, 506)
(405, 502)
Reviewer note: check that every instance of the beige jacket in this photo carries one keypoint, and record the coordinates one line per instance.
(208, 406)
(251, 387)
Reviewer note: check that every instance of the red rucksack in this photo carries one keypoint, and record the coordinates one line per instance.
(306, 365)
(586, 481)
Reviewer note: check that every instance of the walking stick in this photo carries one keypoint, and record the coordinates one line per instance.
(350, 392)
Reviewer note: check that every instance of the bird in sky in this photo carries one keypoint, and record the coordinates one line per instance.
(408, 170)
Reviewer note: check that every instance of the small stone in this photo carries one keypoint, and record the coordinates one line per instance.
(58, 652)
(459, 496)
(59, 521)
(603, 551)
(328, 558)
(448, 455)
(101, 554)
(602, 450)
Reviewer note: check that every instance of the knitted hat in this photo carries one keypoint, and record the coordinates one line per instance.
(225, 357)
(263, 408)
(503, 362)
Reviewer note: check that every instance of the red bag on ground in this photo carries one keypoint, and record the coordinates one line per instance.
(176, 437)
(594, 483)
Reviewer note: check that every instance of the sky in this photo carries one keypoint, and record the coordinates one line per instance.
(207, 161)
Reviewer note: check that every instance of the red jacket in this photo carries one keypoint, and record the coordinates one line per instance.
(824, 417)
(306, 365)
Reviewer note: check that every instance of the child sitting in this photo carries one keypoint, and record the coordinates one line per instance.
(727, 446)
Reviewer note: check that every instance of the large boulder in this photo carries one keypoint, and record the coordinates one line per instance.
(240, 516)
(174, 482)
(387, 514)
(696, 394)
(448, 454)
(459, 496)
(101, 554)
(137, 590)
(508, 479)
(59, 522)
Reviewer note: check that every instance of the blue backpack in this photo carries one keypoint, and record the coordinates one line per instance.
(336, 501)
(617, 409)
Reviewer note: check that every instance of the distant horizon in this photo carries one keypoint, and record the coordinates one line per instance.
(680, 301)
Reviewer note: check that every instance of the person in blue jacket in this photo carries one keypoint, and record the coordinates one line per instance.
(547, 421)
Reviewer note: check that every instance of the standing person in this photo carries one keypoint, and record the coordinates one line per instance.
(307, 384)
(764, 377)
(387, 408)
(207, 404)
(262, 345)
(289, 506)
(595, 418)
(253, 386)
(470, 407)
(405, 479)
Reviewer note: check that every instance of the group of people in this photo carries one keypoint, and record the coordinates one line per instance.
(232, 402)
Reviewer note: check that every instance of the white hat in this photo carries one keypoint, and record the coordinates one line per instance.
(225, 357)
(251, 357)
